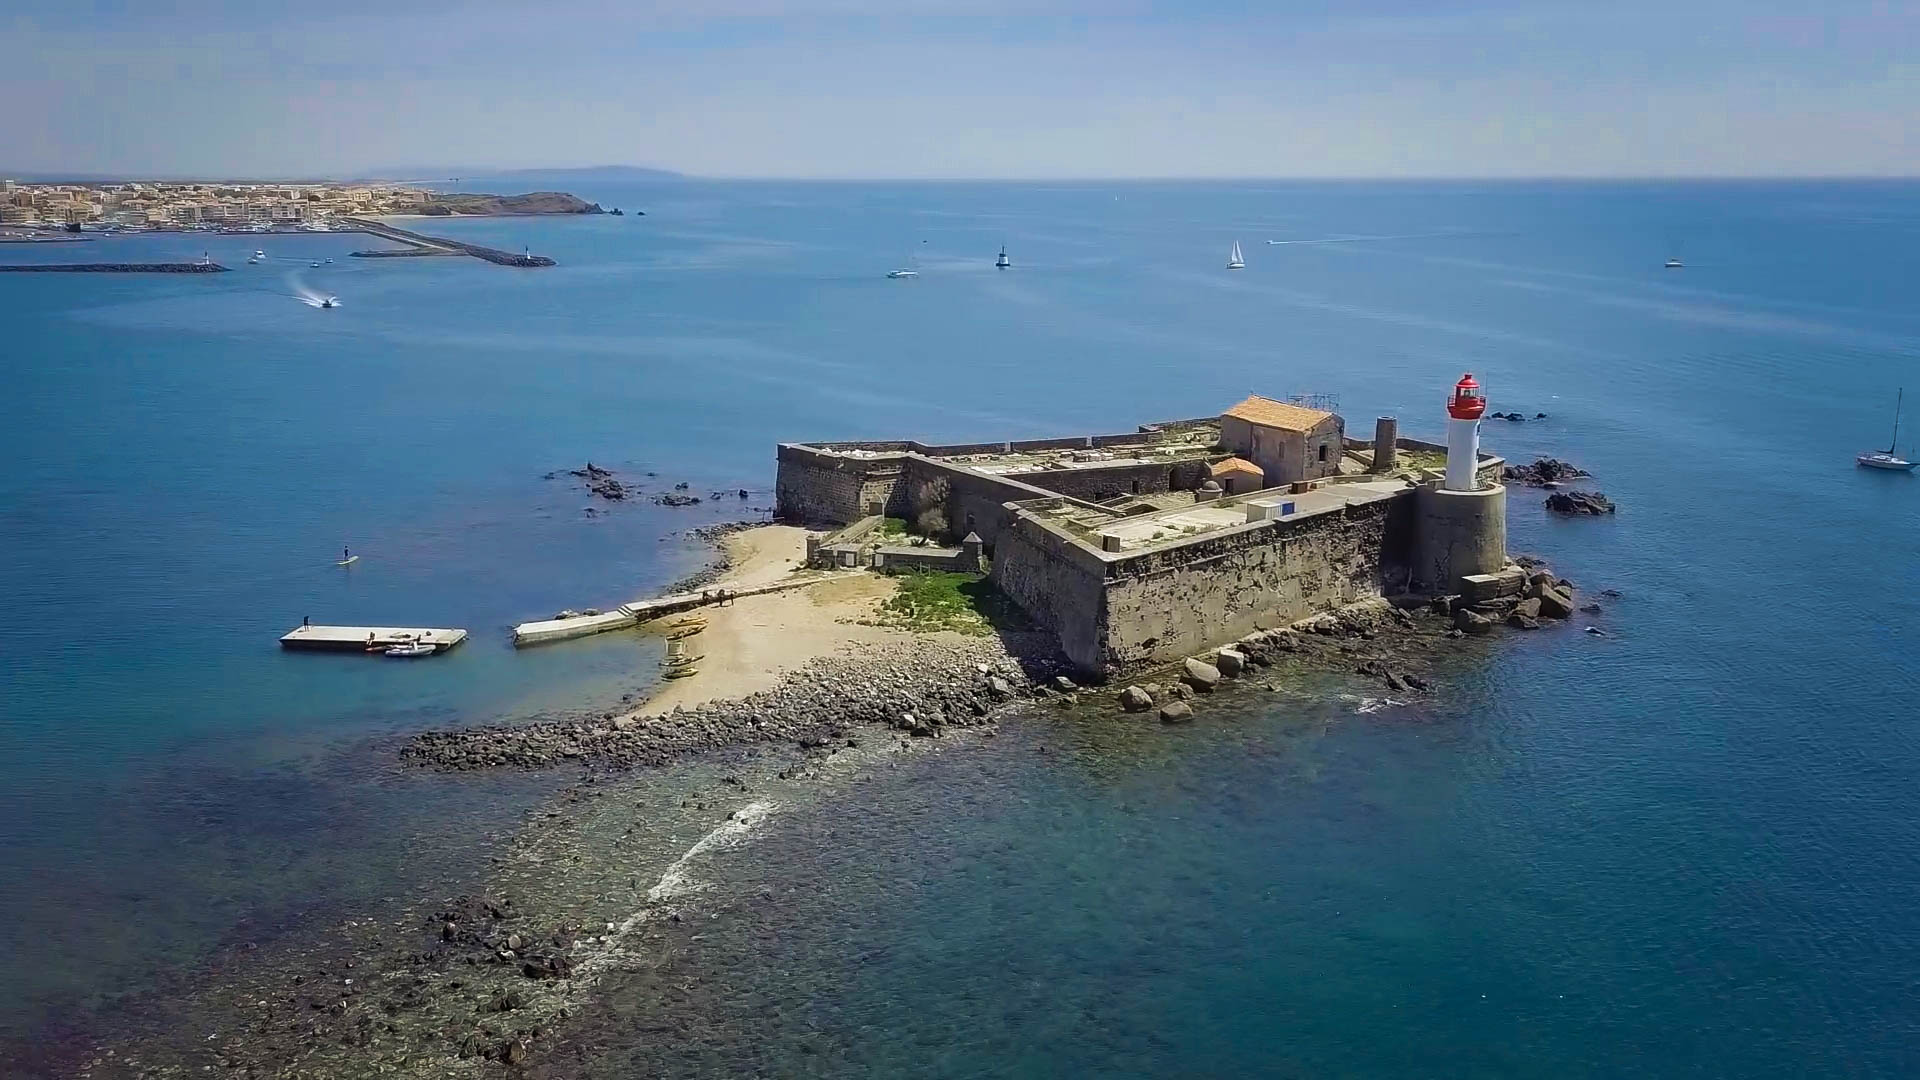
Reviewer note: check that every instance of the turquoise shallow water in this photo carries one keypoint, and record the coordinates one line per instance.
(1698, 829)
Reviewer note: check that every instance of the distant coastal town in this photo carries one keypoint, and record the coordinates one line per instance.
(31, 211)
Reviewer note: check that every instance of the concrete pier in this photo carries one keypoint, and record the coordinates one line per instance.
(361, 638)
(640, 611)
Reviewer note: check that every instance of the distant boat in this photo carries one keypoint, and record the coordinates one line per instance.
(903, 273)
(1235, 260)
(329, 301)
(409, 649)
(316, 266)
(1003, 262)
(1887, 459)
(1674, 264)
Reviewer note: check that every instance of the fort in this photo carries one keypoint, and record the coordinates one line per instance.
(1141, 548)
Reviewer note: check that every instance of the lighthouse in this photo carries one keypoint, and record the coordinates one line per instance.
(1463, 434)
(1461, 527)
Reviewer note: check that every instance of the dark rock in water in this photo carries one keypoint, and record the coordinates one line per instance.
(1579, 502)
(1542, 472)
(1231, 662)
(743, 493)
(1134, 699)
(676, 499)
(1539, 416)
(1528, 608)
(1590, 609)
(1396, 683)
(600, 481)
(1524, 622)
(681, 486)
(1176, 712)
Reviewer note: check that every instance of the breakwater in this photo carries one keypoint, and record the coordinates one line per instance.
(441, 245)
(116, 268)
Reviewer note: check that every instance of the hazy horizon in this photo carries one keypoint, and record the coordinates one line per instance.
(969, 89)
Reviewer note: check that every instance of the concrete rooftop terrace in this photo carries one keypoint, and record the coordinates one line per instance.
(1136, 533)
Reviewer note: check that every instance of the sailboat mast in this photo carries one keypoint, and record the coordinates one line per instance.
(1898, 398)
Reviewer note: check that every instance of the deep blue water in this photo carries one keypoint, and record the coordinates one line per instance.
(1698, 829)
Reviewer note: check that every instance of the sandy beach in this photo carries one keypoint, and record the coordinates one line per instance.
(751, 643)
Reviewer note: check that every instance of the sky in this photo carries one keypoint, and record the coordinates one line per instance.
(964, 88)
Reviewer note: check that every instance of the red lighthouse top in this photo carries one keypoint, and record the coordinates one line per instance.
(1466, 404)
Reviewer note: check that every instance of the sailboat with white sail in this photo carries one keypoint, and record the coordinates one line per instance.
(1887, 459)
(1235, 260)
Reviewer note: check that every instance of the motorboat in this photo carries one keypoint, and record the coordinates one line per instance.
(1674, 264)
(1235, 260)
(410, 649)
(316, 266)
(329, 301)
(1887, 459)
(903, 273)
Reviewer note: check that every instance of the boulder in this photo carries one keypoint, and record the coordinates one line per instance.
(1471, 622)
(1134, 699)
(1154, 690)
(1443, 605)
(999, 688)
(1180, 691)
(1579, 502)
(1523, 622)
(1200, 675)
(1555, 604)
(1231, 662)
(1176, 712)
(1064, 684)
(1529, 608)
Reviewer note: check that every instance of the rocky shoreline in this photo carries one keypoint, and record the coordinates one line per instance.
(919, 689)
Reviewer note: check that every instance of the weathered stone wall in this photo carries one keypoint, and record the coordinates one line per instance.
(827, 490)
(1095, 483)
(1058, 586)
(970, 501)
(1174, 602)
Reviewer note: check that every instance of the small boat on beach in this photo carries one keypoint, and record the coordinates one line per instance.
(1887, 459)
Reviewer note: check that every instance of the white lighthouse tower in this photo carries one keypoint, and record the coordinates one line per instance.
(1463, 435)
(1461, 528)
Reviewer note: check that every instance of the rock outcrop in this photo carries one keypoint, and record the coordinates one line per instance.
(1543, 472)
(1579, 502)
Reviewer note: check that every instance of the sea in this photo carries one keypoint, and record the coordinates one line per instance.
(1683, 844)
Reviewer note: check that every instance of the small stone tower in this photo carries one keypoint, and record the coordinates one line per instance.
(1462, 526)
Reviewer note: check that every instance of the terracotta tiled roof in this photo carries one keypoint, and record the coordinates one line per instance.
(1277, 414)
(1233, 465)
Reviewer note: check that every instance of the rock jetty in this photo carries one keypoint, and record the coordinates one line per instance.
(117, 268)
(919, 689)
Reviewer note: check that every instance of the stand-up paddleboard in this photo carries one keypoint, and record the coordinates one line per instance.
(348, 561)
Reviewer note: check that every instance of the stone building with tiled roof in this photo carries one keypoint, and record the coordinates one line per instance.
(1288, 443)
(1236, 476)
